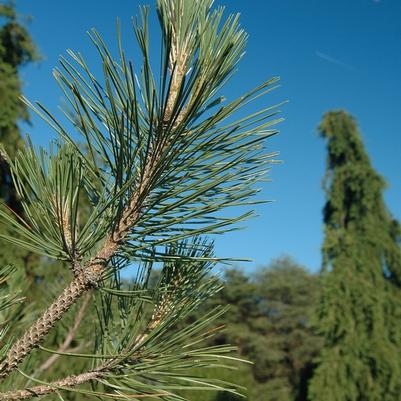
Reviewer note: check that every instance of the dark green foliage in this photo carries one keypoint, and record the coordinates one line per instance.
(269, 322)
(284, 359)
(16, 50)
(359, 315)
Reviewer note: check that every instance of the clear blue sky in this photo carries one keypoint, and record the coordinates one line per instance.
(329, 54)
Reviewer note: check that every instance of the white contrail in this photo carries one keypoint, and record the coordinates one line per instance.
(333, 60)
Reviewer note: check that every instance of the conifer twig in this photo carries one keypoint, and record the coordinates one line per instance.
(88, 277)
(69, 337)
(68, 382)
(37, 391)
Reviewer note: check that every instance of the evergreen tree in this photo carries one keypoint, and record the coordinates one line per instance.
(270, 322)
(359, 315)
(284, 359)
(161, 166)
(16, 50)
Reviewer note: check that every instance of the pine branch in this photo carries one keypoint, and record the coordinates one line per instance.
(44, 324)
(90, 275)
(69, 338)
(158, 169)
(66, 383)
(37, 391)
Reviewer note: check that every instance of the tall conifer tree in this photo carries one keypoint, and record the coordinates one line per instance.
(359, 315)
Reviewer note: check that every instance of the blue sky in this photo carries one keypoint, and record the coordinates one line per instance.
(330, 55)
